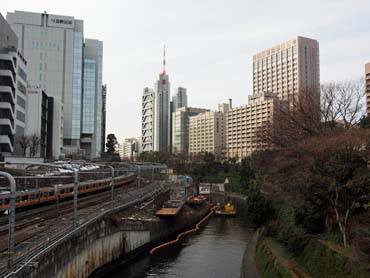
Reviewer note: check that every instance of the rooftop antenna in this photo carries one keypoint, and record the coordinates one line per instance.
(164, 59)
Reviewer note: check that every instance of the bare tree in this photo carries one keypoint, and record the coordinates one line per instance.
(291, 121)
(342, 102)
(24, 142)
(338, 105)
(34, 144)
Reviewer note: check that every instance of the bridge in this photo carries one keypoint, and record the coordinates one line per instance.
(69, 232)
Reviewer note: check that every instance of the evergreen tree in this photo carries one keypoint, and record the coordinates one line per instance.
(111, 143)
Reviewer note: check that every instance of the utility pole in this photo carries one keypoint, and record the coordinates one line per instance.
(11, 210)
(112, 184)
(75, 196)
(56, 194)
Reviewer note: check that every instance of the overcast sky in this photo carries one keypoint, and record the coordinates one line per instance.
(210, 44)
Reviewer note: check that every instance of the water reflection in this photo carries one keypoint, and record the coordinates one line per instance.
(214, 252)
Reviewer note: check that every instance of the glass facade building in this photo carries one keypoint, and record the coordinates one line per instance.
(99, 100)
(55, 49)
(88, 107)
(92, 98)
(76, 85)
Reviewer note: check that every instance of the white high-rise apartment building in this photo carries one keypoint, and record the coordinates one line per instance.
(207, 132)
(290, 69)
(147, 120)
(8, 87)
(244, 123)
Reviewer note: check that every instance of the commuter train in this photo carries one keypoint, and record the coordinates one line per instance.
(44, 195)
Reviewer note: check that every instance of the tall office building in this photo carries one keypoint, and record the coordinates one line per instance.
(180, 128)
(290, 69)
(8, 87)
(367, 80)
(147, 120)
(92, 98)
(244, 123)
(180, 99)
(162, 111)
(52, 46)
(103, 116)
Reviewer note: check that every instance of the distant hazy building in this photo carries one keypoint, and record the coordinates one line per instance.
(244, 123)
(8, 87)
(139, 145)
(290, 69)
(180, 99)
(207, 132)
(147, 120)
(180, 128)
(131, 148)
(103, 117)
(367, 79)
(120, 150)
(92, 99)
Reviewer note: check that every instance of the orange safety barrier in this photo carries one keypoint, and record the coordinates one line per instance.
(182, 234)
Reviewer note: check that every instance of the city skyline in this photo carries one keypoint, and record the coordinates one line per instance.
(236, 31)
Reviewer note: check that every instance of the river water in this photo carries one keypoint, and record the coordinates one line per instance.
(215, 252)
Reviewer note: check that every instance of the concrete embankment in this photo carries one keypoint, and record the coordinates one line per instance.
(111, 240)
(93, 244)
(248, 267)
(156, 231)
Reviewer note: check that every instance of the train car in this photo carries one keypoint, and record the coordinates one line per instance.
(44, 195)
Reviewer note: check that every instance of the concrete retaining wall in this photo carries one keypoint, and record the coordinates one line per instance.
(105, 241)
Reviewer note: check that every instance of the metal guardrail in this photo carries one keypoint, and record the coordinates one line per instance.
(65, 234)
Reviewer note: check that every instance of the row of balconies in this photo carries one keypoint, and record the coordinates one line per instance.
(7, 102)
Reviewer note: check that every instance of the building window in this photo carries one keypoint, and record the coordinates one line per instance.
(20, 116)
(21, 102)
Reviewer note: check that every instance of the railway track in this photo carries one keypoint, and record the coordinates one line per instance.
(34, 212)
(55, 229)
(37, 216)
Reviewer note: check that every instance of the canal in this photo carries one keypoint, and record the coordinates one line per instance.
(216, 251)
